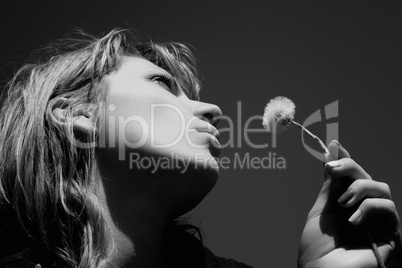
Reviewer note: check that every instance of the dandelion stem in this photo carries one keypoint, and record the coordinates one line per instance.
(375, 250)
(311, 135)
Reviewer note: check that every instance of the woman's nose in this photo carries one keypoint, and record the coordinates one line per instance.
(208, 112)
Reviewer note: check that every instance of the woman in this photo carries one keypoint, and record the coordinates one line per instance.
(105, 144)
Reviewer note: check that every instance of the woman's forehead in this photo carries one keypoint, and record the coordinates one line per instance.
(137, 65)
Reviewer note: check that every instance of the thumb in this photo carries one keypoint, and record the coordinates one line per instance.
(337, 151)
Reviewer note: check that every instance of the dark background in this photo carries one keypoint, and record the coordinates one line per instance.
(314, 52)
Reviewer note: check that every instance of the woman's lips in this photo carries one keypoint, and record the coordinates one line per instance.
(207, 128)
(215, 149)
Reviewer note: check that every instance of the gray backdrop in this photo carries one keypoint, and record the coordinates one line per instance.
(314, 52)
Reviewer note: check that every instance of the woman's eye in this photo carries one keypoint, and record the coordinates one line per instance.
(164, 80)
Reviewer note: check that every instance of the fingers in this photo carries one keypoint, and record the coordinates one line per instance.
(375, 207)
(361, 189)
(374, 196)
(346, 167)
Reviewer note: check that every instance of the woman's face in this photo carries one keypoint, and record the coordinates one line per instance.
(152, 129)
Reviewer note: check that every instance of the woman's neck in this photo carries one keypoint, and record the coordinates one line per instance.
(143, 247)
(138, 232)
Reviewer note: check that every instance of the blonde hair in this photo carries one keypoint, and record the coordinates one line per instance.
(47, 199)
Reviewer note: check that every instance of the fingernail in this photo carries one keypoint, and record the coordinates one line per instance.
(346, 196)
(356, 216)
(333, 164)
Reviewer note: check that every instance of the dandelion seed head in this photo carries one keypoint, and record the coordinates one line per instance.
(278, 110)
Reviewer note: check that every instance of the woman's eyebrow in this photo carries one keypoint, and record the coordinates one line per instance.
(163, 70)
(156, 68)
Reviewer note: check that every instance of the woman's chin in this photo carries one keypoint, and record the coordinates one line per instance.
(195, 185)
(189, 200)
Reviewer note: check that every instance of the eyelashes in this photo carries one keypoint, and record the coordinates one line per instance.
(165, 80)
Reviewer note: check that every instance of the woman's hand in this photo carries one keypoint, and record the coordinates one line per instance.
(349, 206)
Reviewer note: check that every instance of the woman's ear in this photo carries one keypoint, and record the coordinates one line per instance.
(81, 117)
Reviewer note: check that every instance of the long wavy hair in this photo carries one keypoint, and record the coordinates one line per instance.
(49, 210)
